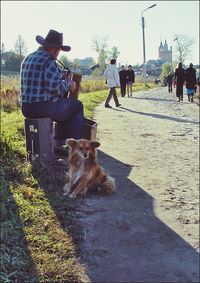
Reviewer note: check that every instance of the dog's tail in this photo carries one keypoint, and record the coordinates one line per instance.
(108, 185)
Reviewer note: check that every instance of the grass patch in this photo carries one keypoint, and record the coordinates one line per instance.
(38, 227)
(91, 100)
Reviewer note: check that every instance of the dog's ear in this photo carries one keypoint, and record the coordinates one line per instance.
(95, 144)
(71, 143)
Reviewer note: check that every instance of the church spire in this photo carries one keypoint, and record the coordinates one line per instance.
(161, 45)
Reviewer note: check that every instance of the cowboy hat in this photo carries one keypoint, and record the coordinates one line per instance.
(53, 39)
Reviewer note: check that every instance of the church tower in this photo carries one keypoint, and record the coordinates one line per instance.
(165, 54)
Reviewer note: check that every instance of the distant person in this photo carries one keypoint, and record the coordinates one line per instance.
(169, 80)
(155, 81)
(43, 88)
(130, 76)
(198, 81)
(122, 77)
(179, 78)
(165, 81)
(112, 77)
(190, 78)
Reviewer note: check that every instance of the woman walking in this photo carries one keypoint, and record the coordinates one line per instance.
(179, 78)
(191, 81)
(112, 77)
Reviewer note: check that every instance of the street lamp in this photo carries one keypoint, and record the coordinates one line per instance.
(175, 39)
(171, 58)
(143, 36)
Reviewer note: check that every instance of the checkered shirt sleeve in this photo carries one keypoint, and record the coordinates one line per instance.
(52, 79)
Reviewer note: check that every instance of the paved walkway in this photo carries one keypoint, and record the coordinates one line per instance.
(148, 230)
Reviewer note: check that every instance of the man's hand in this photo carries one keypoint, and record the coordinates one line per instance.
(72, 86)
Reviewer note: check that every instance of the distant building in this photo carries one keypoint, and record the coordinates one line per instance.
(5, 55)
(86, 62)
(153, 68)
(84, 65)
(165, 54)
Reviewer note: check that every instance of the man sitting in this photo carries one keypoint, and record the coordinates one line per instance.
(43, 88)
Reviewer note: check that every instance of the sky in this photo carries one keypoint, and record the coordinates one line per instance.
(120, 21)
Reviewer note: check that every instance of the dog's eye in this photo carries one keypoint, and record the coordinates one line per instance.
(87, 148)
(81, 148)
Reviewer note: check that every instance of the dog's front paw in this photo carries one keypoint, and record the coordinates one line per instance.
(84, 191)
(66, 190)
(66, 194)
(72, 195)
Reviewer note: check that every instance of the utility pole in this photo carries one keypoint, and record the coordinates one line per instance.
(144, 50)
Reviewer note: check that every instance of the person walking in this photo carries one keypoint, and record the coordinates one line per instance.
(112, 77)
(191, 81)
(169, 81)
(122, 77)
(179, 78)
(130, 76)
(43, 88)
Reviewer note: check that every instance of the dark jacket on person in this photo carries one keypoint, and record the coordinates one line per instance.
(169, 79)
(130, 75)
(179, 77)
(122, 76)
(190, 78)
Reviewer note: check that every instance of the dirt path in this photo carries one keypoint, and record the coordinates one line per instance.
(148, 230)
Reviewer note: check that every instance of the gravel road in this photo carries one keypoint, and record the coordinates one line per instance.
(148, 230)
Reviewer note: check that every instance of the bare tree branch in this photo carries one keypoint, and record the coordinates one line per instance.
(20, 46)
(183, 47)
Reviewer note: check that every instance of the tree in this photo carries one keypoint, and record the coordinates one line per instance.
(76, 64)
(97, 73)
(20, 46)
(100, 45)
(66, 62)
(183, 47)
(166, 68)
(13, 62)
(114, 53)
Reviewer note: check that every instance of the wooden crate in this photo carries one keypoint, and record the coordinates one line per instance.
(39, 139)
(90, 130)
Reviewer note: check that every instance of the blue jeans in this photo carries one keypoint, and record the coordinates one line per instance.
(67, 112)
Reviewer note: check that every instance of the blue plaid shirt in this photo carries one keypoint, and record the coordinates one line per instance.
(41, 78)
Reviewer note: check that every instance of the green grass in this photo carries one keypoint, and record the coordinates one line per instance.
(91, 100)
(39, 228)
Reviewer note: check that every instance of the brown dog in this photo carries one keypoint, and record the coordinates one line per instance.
(84, 171)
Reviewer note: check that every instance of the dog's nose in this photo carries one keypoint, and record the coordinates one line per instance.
(85, 154)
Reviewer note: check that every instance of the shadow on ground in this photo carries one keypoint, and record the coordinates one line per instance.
(125, 241)
(153, 98)
(158, 116)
